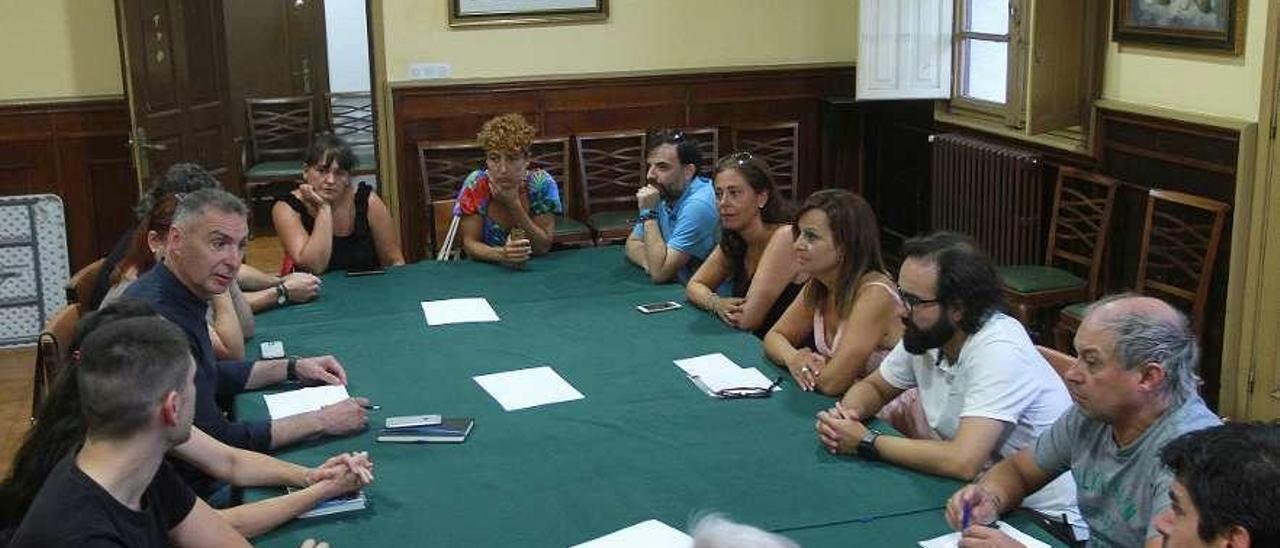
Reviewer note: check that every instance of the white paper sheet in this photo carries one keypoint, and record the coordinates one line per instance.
(708, 363)
(646, 534)
(715, 372)
(952, 540)
(451, 311)
(526, 388)
(287, 404)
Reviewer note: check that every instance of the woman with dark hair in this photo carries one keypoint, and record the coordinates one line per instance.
(59, 429)
(508, 211)
(229, 316)
(850, 304)
(328, 224)
(754, 252)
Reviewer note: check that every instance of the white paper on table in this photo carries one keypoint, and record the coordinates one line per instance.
(748, 377)
(646, 534)
(951, 540)
(706, 364)
(294, 402)
(526, 388)
(458, 311)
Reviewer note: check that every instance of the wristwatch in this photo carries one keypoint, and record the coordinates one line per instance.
(282, 294)
(867, 447)
(291, 368)
(646, 214)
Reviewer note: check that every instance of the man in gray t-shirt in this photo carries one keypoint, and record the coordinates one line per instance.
(1134, 385)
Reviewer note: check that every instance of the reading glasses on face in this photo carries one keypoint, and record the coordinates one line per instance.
(746, 392)
(911, 301)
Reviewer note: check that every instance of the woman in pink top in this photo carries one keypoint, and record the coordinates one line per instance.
(850, 304)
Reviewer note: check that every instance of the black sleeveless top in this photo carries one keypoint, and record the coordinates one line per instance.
(355, 251)
(740, 285)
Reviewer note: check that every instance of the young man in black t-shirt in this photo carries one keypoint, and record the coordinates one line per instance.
(136, 380)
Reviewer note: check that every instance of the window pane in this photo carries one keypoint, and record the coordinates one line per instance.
(986, 70)
(988, 16)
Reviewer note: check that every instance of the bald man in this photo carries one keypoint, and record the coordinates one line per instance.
(1135, 388)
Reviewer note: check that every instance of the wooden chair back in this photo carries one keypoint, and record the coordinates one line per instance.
(1179, 247)
(444, 166)
(280, 128)
(708, 139)
(1082, 205)
(551, 154)
(84, 282)
(50, 347)
(778, 145)
(611, 167)
(351, 117)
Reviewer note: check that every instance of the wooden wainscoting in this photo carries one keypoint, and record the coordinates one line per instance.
(79, 151)
(563, 106)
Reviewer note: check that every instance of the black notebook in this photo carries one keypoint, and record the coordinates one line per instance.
(450, 430)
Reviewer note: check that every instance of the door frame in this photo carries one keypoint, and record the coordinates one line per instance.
(1256, 368)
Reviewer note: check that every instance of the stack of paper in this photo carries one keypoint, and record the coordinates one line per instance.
(645, 534)
(458, 311)
(951, 540)
(287, 404)
(715, 372)
(349, 502)
(526, 388)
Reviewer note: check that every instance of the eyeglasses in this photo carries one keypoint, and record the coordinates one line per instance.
(911, 301)
(745, 392)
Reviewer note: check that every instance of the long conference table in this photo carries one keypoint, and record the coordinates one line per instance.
(644, 443)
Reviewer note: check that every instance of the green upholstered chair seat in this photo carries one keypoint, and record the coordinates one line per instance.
(1038, 279)
(1076, 310)
(275, 170)
(568, 226)
(611, 220)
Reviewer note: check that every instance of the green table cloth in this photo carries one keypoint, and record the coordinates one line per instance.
(644, 443)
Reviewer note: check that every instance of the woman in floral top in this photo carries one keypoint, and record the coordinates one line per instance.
(506, 195)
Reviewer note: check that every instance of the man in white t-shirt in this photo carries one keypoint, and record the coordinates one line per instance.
(985, 389)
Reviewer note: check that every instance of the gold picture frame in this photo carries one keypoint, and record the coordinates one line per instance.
(498, 13)
(1208, 25)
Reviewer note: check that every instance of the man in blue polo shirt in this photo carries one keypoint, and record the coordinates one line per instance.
(678, 222)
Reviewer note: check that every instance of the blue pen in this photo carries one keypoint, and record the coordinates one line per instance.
(964, 517)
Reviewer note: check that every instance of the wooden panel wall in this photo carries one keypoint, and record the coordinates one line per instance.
(563, 107)
(79, 151)
(1143, 151)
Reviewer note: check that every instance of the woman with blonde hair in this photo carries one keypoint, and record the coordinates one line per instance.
(508, 210)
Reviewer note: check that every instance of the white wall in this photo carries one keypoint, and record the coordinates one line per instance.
(346, 33)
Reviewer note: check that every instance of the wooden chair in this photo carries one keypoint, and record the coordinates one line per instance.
(280, 132)
(351, 118)
(708, 139)
(778, 145)
(84, 282)
(1072, 266)
(444, 166)
(611, 168)
(1179, 246)
(50, 347)
(552, 155)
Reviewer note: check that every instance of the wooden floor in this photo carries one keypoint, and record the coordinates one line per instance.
(16, 365)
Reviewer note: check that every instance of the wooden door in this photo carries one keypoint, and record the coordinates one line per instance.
(175, 62)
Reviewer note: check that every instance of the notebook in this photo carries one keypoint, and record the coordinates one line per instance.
(953, 539)
(343, 503)
(450, 430)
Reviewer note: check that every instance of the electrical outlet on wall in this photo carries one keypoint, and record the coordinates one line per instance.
(427, 71)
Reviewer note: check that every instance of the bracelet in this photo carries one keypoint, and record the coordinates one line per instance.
(646, 215)
(291, 368)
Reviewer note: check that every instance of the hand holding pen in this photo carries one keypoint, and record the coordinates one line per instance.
(972, 505)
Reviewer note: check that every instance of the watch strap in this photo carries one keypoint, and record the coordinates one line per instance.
(867, 447)
(291, 368)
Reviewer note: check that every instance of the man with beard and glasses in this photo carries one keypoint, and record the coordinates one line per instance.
(678, 222)
(1135, 388)
(985, 389)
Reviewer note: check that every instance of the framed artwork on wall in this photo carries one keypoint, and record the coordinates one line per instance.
(489, 13)
(1214, 25)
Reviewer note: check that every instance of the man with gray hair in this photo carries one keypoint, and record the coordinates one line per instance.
(205, 245)
(1135, 388)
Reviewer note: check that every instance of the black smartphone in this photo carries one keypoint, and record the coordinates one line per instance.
(354, 273)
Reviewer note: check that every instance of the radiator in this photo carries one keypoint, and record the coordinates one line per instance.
(991, 192)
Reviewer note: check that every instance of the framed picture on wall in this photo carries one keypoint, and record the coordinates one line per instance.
(481, 13)
(1216, 25)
